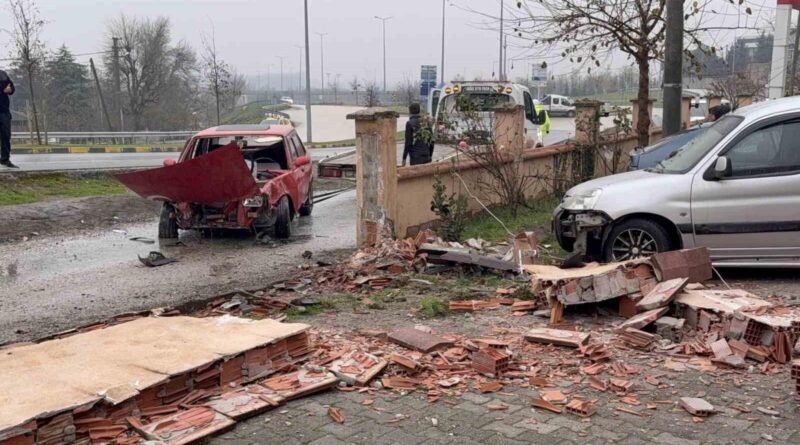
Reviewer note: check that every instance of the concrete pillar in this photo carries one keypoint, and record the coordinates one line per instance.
(635, 113)
(509, 129)
(743, 100)
(376, 174)
(777, 75)
(686, 111)
(587, 125)
(713, 100)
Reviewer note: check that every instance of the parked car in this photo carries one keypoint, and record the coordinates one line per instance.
(231, 177)
(733, 189)
(650, 156)
(276, 118)
(287, 100)
(558, 105)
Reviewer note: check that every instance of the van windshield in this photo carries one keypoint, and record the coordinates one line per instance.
(687, 157)
(479, 101)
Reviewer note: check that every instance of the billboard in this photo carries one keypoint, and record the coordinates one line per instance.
(538, 76)
(427, 79)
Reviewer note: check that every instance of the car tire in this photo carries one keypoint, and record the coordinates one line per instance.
(167, 223)
(308, 206)
(283, 221)
(636, 238)
(570, 113)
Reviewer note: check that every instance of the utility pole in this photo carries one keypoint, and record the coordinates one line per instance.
(442, 67)
(673, 67)
(281, 59)
(308, 81)
(500, 73)
(117, 81)
(269, 88)
(383, 22)
(300, 72)
(100, 94)
(793, 72)
(322, 63)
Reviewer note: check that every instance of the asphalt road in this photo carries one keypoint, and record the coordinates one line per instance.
(49, 284)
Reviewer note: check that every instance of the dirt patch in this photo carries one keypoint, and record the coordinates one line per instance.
(70, 215)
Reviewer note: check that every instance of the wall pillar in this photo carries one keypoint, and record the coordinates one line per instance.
(713, 100)
(376, 174)
(743, 100)
(686, 111)
(509, 129)
(587, 127)
(635, 115)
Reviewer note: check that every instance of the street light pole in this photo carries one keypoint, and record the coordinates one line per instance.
(501, 74)
(281, 58)
(308, 81)
(442, 67)
(300, 74)
(383, 21)
(322, 62)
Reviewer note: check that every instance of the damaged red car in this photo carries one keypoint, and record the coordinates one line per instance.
(255, 177)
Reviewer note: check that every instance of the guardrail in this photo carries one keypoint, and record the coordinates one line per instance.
(116, 137)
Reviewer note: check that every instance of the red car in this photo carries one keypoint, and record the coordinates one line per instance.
(231, 177)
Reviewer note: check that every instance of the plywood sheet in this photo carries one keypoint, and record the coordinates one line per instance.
(120, 360)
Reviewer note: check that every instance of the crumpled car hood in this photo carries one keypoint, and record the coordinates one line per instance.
(219, 176)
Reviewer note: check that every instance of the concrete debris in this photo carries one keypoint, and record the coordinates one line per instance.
(696, 406)
(559, 337)
(418, 340)
(641, 320)
(661, 294)
(693, 264)
(544, 404)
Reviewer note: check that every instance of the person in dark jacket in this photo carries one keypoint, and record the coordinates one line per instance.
(716, 112)
(417, 148)
(6, 90)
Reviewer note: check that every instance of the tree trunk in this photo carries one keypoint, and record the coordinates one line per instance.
(643, 98)
(33, 108)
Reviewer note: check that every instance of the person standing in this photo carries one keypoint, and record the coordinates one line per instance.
(417, 146)
(6, 90)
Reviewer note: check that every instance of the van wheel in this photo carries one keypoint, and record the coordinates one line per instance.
(167, 223)
(636, 238)
(570, 113)
(308, 206)
(283, 222)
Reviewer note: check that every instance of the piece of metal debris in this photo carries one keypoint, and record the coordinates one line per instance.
(156, 259)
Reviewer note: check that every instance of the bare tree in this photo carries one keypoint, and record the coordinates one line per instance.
(734, 85)
(236, 85)
(587, 32)
(215, 70)
(408, 90)
(355, 86)
(29, 48)
(150, 63)
(372, 95)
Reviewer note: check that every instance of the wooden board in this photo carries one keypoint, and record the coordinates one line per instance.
(559, 337)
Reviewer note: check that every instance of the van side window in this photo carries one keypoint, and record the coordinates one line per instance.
(769, 150)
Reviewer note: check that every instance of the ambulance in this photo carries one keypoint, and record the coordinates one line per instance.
(443, 106)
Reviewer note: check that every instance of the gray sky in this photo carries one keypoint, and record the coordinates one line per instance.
(250, 34)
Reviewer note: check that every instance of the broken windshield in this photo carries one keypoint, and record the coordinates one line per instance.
(687, 157)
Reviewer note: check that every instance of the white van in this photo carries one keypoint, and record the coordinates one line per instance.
(443, 106)
(559, 105)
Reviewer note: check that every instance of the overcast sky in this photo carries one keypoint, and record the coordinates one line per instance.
(251, 34)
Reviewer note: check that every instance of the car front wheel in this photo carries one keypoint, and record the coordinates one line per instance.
(283, 222)
(167, 223)
(636, 238)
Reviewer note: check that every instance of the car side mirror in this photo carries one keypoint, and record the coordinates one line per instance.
(723, 168)
(169, 162)
(302, 160)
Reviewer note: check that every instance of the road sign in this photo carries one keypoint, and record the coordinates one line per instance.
(538, 76)
(427, 79)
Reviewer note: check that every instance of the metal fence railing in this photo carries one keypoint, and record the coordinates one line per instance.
(105, 137)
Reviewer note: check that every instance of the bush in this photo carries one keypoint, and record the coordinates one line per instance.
(451, 210)
(432, 307)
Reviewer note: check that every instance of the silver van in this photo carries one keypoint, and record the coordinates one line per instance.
(734, 189)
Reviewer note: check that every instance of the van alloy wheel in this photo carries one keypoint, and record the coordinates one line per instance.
(633, 243)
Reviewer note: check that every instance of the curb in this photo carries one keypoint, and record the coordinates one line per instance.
(86, 149)
(324, 145)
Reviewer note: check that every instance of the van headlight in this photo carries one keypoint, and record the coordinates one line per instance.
(255, 201)
(582, 200)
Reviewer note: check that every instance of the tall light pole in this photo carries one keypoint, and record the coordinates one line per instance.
(300, 74)
(322, 62)
(281, 58)
(308, 81)
(501, 74)
(383, 22)
(442, 67)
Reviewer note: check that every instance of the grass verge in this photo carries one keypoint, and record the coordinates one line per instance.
(252, 113)
(36, 188)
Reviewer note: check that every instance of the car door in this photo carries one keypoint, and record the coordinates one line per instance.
(532, 135)
(754, 212)
(303, 172)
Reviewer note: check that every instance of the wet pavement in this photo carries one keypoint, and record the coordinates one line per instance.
(51, 284)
